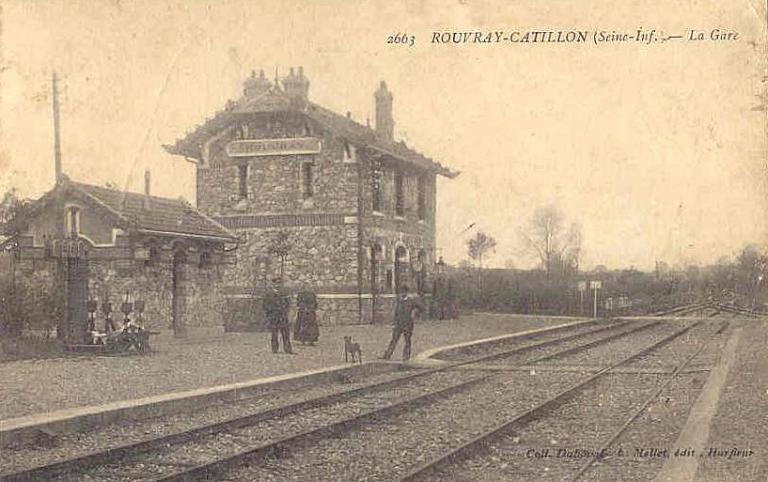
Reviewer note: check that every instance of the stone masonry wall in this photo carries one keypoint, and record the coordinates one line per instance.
(275, 183)
(320, 258)
(389, 231)
(154, 285)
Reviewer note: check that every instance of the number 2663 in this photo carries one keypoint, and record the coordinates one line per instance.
(402, 39)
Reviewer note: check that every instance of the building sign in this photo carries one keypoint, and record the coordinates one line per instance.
(66, 248)
(273, 147)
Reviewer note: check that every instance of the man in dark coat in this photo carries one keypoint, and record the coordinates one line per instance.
(276, 312)
(405, 306)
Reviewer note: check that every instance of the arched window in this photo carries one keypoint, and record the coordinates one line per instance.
(376, 258)
(421, 271)
(154, 256)
(73, 221)
(401, 264)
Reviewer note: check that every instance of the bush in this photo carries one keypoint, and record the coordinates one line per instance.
(26, 308)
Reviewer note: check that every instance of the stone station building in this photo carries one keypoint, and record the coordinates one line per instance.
(326, 203)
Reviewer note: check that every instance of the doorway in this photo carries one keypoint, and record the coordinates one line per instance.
(75, 273)
(179, 281)
(401, 266)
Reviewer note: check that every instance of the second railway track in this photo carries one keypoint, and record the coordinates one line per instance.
(256, 439)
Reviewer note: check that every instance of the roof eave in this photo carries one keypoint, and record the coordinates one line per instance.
(436, 168)
(226, 238)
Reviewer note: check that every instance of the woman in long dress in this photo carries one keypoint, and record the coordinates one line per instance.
(306, 329)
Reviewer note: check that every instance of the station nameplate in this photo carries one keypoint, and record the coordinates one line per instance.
(273, 147)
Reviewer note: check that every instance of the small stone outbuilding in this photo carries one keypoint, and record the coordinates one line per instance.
(90, 246)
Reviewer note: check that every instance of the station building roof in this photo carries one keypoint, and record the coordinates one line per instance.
(274, 99)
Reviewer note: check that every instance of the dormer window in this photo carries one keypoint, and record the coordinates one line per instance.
(73, 221)
(244, 131)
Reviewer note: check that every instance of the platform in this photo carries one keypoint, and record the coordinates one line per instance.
(69, 394)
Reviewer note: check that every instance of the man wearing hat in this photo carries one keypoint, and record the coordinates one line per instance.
(276, 312)
(406, 306)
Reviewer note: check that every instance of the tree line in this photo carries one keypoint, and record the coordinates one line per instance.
(553, 287)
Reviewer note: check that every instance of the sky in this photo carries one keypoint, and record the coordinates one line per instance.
(658, 151)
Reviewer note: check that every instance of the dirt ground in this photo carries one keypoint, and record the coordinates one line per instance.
(36, 386)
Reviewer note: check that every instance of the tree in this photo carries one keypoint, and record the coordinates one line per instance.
(14, 212)
(479, 245)
(751, 267)
(280, 247)
(15, 301)
(558, 247)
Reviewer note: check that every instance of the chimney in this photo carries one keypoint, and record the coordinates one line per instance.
(385, 124)
(297, 87)
(56, 133)
(256, 86)
(146, 189)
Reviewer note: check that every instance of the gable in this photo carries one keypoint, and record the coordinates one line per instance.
(51, 216)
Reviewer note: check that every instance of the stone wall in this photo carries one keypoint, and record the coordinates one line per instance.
(154, 285)
(111, 279)
(388, 231)
(320, 258)
(246, 312)
(275, 183)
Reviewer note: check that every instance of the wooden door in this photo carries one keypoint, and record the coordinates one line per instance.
(76, 273)
(179, 294)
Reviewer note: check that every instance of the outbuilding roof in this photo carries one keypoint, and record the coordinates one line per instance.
(160, 215)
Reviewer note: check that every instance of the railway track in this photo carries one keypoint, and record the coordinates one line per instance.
(386, 449)
(534, 426)
(81, 465)
(356, 408)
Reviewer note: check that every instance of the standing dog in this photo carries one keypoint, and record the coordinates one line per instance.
(352, 350)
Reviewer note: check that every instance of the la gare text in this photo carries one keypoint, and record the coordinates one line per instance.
(645, 36)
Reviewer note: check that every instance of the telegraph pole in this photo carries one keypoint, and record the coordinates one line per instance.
(56, 129)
